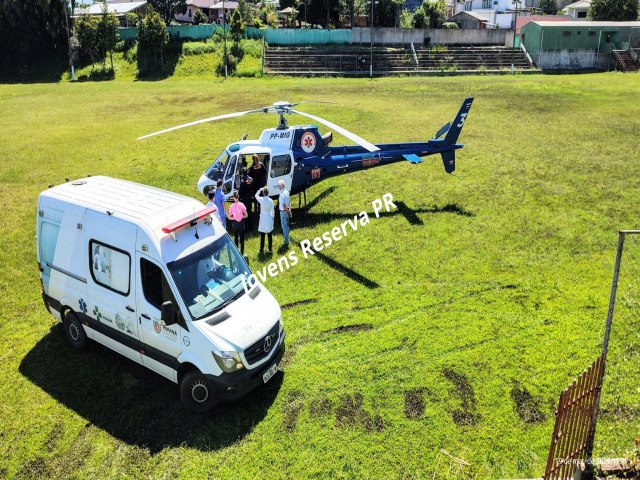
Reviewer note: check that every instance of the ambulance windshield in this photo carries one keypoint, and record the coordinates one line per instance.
(210, 278)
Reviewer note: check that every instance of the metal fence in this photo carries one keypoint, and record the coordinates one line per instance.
(575, 419)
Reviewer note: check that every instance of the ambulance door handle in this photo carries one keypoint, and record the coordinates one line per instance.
(145, 316)
(130, 308)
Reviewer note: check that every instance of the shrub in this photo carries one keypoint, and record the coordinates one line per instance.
(199, 18)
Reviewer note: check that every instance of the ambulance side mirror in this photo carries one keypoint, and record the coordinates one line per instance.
(167, 313)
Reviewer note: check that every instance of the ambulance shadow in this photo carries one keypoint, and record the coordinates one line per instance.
(132, 403)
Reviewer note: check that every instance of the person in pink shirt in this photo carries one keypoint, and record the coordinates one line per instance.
(237, 214)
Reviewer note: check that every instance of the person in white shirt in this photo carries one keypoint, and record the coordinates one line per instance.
(267, 214)
(284, 205)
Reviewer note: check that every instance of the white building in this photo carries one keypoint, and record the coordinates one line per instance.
(578, 9)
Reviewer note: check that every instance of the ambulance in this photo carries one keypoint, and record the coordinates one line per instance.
(154, 276)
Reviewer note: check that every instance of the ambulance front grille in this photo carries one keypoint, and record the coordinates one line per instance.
(256, 352)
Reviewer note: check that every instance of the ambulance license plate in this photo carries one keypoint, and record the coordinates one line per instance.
(270, 373)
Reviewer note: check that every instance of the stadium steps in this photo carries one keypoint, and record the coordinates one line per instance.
(625, 61)
(355, 60)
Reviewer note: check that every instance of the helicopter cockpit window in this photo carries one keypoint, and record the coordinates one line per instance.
(219, 165)
(280, 165)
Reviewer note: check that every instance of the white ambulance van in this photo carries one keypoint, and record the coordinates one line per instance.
(154, 276)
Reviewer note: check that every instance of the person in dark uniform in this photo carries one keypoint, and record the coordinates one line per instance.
(258, 173)
(245, 193)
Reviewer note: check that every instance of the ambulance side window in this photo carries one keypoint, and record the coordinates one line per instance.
(110, 267)
(156, 289)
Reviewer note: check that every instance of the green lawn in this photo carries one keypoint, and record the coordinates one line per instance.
(453, 323)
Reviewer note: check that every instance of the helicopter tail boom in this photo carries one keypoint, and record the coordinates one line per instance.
(449, 160)
(457, 124)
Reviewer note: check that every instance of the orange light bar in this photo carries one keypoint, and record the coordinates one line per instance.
(175, 226)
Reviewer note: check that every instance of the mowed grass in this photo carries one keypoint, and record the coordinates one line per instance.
(451, 324)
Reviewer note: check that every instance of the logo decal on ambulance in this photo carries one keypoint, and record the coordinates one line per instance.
(308, 142)
(156, 326)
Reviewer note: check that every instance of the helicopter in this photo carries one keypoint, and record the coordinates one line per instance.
(302, 157)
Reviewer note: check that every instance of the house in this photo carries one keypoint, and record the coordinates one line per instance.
(470, 20)
(119, 9)
(499, 13)
(212, 9)
(577, 44)
(578, 9)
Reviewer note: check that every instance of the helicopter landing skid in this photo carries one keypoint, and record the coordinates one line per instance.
(304, 208)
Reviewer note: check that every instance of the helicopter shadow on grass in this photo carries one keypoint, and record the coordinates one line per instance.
(134, 404)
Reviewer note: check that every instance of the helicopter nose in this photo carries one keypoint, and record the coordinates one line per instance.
(205, 183)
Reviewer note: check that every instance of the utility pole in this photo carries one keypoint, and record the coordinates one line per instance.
(224, 32)
(513, 47)
(66, 19)
(371, 39)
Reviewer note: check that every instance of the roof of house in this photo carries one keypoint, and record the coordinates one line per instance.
(200, 3)
(587, 24)
(521, 21)
(227, 5)
(578, 4)
(478, 16)
(116, 8)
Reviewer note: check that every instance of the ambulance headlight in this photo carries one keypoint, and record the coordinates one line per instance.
(281, 325)
(228, 361)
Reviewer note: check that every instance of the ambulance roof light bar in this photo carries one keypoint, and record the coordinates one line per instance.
(191, 220)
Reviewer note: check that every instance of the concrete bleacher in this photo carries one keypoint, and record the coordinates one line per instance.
(350, 60)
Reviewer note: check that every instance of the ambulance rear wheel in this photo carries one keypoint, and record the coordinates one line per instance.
(74, 331)
(196, 393)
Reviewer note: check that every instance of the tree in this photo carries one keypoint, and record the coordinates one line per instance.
(420, 19)
(406, 19)
(614, 10)
(152, 39)
(169, 8)
(132, 19)
(86, 32)
(549, 7)
(436, 11)
(107, 33)
(236, 28)
(199, 18)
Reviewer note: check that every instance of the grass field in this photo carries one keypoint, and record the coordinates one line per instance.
(453, 323)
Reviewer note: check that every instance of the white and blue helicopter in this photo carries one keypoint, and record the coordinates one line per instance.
(302, 157)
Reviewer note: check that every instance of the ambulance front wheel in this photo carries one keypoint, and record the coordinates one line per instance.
(74, 331)
(196, 393)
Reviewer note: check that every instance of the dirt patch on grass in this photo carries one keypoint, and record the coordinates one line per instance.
(295, 401)
(527, 406)
(358, 327)
(351, 414)
(298, 303)
(414, 403)
(620, 412)
(36, 468)
(320, 407)
(466, 415)
(54, 436)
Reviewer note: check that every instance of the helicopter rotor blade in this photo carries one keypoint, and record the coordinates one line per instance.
(346, 133)
(204, 120)
(311, 101)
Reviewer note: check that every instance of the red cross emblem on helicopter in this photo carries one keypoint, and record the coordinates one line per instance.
(308, 142)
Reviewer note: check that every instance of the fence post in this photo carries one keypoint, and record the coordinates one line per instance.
(605, 346)
(263, 35)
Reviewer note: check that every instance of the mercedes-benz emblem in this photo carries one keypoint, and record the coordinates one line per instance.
(267, 343)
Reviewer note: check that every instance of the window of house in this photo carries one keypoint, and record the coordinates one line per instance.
(189, 13)
(582, 15)
(110, 267)
(486, 4)
(280, 165)
(468, 6)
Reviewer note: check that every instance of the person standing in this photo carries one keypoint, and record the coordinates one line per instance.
(218, 201)
(246, 194)
(238, 212)
(284, 205)
(267, 214)
(258, 173)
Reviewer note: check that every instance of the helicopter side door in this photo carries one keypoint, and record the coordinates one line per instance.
(228, 184)
(280, 168)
